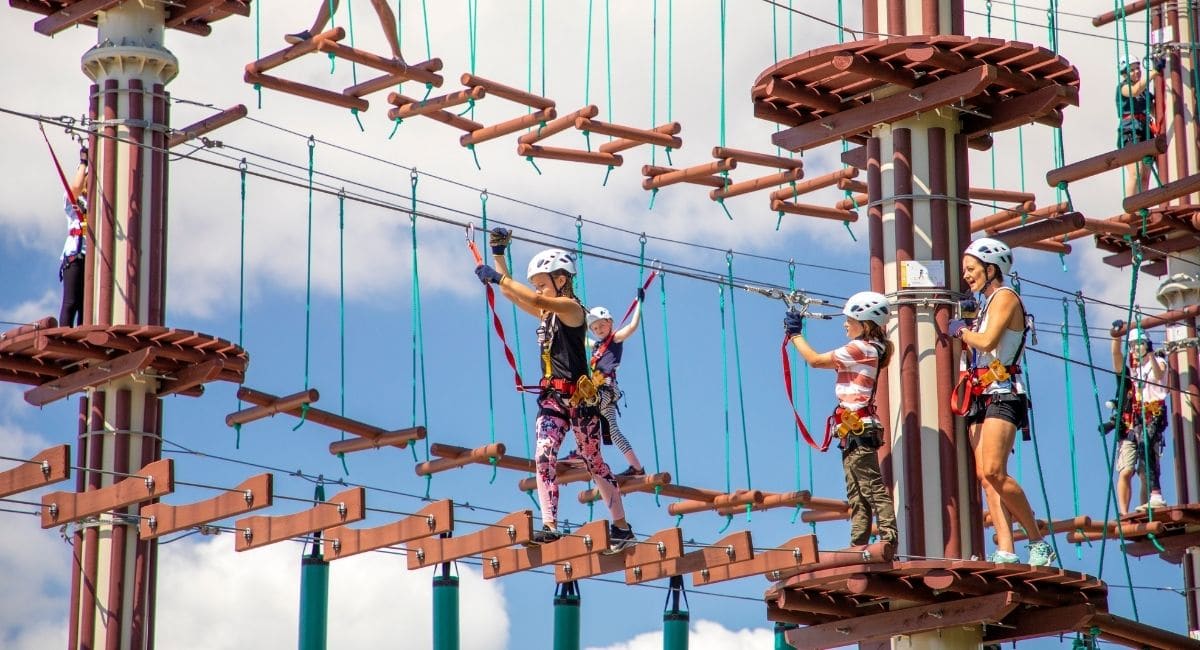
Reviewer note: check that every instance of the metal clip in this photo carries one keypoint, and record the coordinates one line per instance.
(342, 509)
(662, 549)
(797, 555)
(495, 562)
(567, 568)
(512, 532)
(152, 522)
(247, 534)
(337, 546)
(637, 572)
(587, 542)
(420, 554)
(430, 521)
(46, 468)
(704, 573)
(248, 495)
(150, 483)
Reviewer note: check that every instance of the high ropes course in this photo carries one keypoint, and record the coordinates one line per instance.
(905, 95)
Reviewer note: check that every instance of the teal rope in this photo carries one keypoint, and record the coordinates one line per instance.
(737, 356)
(308, 284)
(587, 60)
(654, 75)
(662, 294)
(646, 365)
(722, 100)
(342, 316)
(425, 22)
(1066, 353)
(520, 397)
(353, 66)
(579, 259)
(257, 53)
(483, 198)
(725, 388)
(670, 58)
(237, 428)
(418, 327)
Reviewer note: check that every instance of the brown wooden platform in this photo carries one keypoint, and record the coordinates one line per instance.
(64, 360)
(1169, 230)
(825, 95)
(191, 16)
(1180, 530)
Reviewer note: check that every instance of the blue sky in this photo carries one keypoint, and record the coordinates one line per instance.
(204, 289)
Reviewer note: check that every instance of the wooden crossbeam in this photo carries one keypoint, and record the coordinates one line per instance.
(1022, 219)
(559, 124)
(792, 554)
(627, 484)
(151, 482)
(1127, 530)
(48, 467)
(1004, 216)
(795, 94)
(738, 498)
(807, 210)
(755, 184)
(770, 501)
(1109, 226)
(453, 459)
(94, 375)
(424, 72)
(831, 604)
(686, 174)
(317, 416)
(191, 377)
(756, 158)
(158, 519)
(936, 57)
(1002, 196)
(1128, 10)
(836, 558)
(911, 620)
(399, 439)
(860, 65)
(1036, 232)
(207, 125)
(509, 126)
(277, 405)
(436, 104)
(975, 581)
(536, 102)
(306, 91)
(569, 155)
(812, 184)
(345, 507)
(855, 202)
(621, 144)
(295, 51)
(1159, 195)
(665, 138)
(963, 85)
(736, 547)
(1019, 110)
(1034, 623)
(1106, 161)
(434, 519)
(71, 15)
(588, 539)
(515, 528)
(195, 9)
(709, 181)
(663, 545)
(1049, 246)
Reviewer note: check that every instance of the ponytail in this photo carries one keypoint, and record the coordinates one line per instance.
(873, 332)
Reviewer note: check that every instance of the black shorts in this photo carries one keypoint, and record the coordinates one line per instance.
(1133, 131)
(1010, 407)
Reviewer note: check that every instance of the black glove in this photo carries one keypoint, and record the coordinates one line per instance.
(641, 295)
(83, 156)
(487, 274)
(956, 327)
(793, 323)
(1116, 325)
(499, 240)
(1160, 64)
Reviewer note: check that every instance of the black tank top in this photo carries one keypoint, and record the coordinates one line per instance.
(1136, 105)
(568, 358)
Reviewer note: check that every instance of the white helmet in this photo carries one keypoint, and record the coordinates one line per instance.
(598, 314)
(549, 261)
(868, 305)
(1137, 334)
(991, 251)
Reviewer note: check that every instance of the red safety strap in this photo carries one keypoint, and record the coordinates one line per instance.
(633, 305)
(63, 177)
(787, 384)
(496, 324)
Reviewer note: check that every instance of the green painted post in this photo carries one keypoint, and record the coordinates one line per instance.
(445, 610)
(566, 616)
(314, 592)
(781, 642)
(675, 620)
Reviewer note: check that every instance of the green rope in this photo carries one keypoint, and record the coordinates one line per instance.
(654, 75)
(1066, 353)
(662, 297)
(483, 199)
(737, 355)
(237, 428)
(529, 53)
(646, 364)
(353, 66)
(579, 259)
(312, 143)
(722, 100)
(807, 407)
(725, 388)
(670, 59)
(257, 53)
(608, 69)
(417, 327)
(342, 317)
(425, 22)
(332, 24)
(587, 60)
(520, 397)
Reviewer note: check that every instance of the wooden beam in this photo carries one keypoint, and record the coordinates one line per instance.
(345, 507)
(855, 157)
(857, 187)
(665, 138)
(708, 181)
(812, 184)
(756, 158)
(663, 545)
(686, 174)
(48, 467)
(1048, 246)
(875, 585)
(738, 498)
(424, 72)
(482, 454)
(907, 621)
(1159, 195)
(191, 377)
(558, 125)
(771, 500)
(151, 482)
(306, 91)
(316, 416)
(1004, 216)
(569, 155)
(398, 439)
(831, 604)
(536, 102)
(515, 528)
(180, 15)
(835, 559)
(445, 117)
(1023, 220)
(734, 548)
(854, 202)
(99, 373)
(434, 519)
(1034, 623)
(627, 484)
(797, 94)
(1106, 161)
(1002, 196)
(792, 554)
(1144, 635)
(207, 125)
(436, 104)
(894, 108)
(276, 59)
(588, 539)
(509, 126)
(808, 210)
(72, 14)
(1035, 232)
(860, 65)
(1109, 226)
(1014, 112)
(158, 519)
(1127, 10)
(277, 405)
(755, 184)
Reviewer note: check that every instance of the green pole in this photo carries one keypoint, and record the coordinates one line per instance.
(675, 620)
(314, 592)
(566, 616)
(781, 642)
(445, 610)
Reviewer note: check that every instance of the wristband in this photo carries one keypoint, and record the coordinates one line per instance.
(499, 250)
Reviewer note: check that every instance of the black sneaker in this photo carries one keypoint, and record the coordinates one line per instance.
(298, 37)
(620, 539)
(632, 472)
(544, 536)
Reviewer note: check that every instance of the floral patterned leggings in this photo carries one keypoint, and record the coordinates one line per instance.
(553, 421)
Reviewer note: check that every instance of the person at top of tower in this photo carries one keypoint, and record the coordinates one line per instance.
(568, 400)
(859, 430)
(998, 405)
(606, 357)
(1135, 106)
(1142, 420)
(387, 20)
(74, 251)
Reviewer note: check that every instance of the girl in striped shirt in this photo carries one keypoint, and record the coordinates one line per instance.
(859, 430)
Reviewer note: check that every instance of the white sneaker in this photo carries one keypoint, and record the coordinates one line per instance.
(1156, 502)
(1004, 557)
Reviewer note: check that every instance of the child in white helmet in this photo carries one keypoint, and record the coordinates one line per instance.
(999, 405)
(860, 432)
(606, 357)
(561, 335)
(1142, 420)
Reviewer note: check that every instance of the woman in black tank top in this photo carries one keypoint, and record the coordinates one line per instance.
(561, 332)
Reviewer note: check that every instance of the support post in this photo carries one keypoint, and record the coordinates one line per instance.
(314, 592)
(445, 609)
(566, 616)
(675, 619)
(781, 629)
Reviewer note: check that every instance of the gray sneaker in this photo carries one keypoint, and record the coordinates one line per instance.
(1041, 554)
(620, 539)
(1004, 557)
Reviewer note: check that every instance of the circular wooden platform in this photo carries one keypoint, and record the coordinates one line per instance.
(183, 359)
(1169, 229)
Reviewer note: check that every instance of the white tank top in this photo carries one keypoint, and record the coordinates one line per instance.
(1006, 349)
(1149, 390)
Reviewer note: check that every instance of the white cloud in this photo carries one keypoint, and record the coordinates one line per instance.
(31, 310)
(702, 635)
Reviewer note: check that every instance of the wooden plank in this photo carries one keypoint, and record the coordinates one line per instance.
(536, 102)
(894, 108)
(858, 64)
(277, 405)
(207, 125)
(424, 72)
(1015, 112)
(708, 181)
(515, 528)
(152, 481)
(1159, 195)
(791, 93)
(855, 157)
(508, 126)
(736, 547)
(1035, 232)
(345, 507)
(399, 439)
(158, 519)
(99, 373)
(792, 554)
(72, 14)
(482, 454)
(816, 183)
(559, 124)
(306, 91)
(627, 484)
(1002, 196)
(755, 184)
(663, 136)
(434, 519)
(807, 210)
(316, 416)
(738, 498)
(756, 158)
(276, 59)
(48, 467)
(589, 538)
(569, 155)
(663, 545)
(686, 174)
(437, 104)
(1033, 623)
(911, 620)
(191, 377)
(196, 9)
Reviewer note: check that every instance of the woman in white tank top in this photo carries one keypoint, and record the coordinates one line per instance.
(1002, 408)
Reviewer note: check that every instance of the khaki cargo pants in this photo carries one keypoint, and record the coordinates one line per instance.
(867, 494)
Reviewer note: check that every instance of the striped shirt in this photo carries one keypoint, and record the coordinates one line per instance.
(857, 366)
